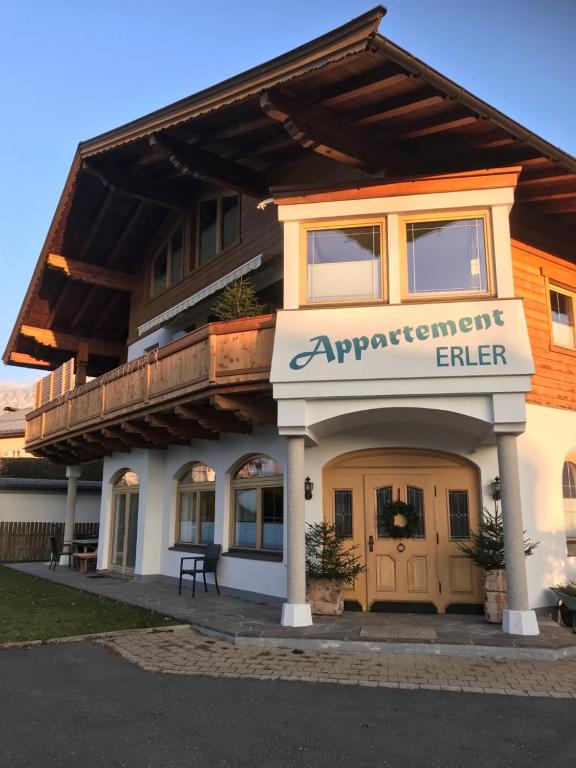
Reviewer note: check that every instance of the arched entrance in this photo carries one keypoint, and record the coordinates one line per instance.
(124, 522)
(428, 572)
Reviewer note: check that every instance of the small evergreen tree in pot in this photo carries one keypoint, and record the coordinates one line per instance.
(329, 565)
(237, 300)
(487, 552)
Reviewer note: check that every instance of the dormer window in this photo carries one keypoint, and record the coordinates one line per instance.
(218, 226)
(168, 263)
(446, 254)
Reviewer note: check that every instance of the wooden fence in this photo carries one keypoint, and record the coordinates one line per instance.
(24, 542)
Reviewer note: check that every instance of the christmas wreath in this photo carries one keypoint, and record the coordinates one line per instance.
(388, 513)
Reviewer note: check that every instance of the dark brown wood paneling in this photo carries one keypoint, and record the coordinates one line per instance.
(260, 232)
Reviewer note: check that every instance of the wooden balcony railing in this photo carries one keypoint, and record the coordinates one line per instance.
(225, 357)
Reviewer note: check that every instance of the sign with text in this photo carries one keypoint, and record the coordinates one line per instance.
(464, 338)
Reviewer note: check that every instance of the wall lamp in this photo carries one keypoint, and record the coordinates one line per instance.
(496, 488)
(308, 488)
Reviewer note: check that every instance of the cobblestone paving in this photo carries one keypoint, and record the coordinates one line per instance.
(186, 652)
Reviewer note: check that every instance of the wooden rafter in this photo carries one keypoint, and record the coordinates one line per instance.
(156, 435)
(95, 226)
(394, 108)
(137, 187)
(321, 131)
(361, 85)
(210, 167)
(91, 274)
(71, 342)
(19, 358)
(127, 439)
(246, 409)
(184, 428)
(210, 419)
(108, 443)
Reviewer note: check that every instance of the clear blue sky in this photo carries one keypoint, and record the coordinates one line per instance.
(70, 69)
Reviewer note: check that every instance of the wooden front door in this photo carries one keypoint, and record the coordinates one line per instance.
(427, 572)
(401, 570)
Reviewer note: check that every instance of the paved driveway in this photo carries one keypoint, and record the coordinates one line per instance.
(78, 705)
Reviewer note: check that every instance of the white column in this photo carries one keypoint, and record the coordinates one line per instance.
(73, 472)
(518, 618)
(296, 612)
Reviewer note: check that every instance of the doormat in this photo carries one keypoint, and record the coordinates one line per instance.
(396, 632)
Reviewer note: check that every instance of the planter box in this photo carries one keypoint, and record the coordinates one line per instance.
(326, 597)
(495, 586)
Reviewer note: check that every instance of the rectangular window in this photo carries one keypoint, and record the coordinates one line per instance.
(218, 226)
(344, 264)
(415, 497)
(167, 267)
(259, 518)
(343, 514)
(446, 255)
(562, 309)
(459, 515)
(197, 514)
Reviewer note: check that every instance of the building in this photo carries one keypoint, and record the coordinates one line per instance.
(12, 429)
(415, 248)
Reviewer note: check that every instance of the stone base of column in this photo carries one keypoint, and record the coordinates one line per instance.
(296, 615)
(520, 622)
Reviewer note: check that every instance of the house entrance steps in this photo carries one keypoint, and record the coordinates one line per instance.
(245, 622)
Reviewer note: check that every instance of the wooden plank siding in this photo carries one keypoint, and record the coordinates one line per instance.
(260, 232)
(22, 541)
(234, 353)
(554, 382)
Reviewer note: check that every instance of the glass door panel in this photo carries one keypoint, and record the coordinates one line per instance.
(132, 532)
(119, 530)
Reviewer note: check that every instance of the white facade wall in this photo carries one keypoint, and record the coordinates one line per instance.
(46, 507)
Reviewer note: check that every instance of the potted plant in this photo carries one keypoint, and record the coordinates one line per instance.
(566, 594)
(487, 552)
(329, 565)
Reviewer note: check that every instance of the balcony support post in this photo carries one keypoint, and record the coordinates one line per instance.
(73, 472)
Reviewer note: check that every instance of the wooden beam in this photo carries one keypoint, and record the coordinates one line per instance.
(567, 205)
(321, 131)
(71, 342)
(137, 187)
(185, 428)
(155, 435)
(212, 420)
(399, 107)
(247, 409)
(19, 358)
(91, 274)
(210, 167)
(436, 125)
(361, 85)
(108, 443)
(95, 226)
(129, 440)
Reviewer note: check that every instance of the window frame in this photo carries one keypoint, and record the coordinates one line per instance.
(444, 215)
(570, 540)
(257, 483)
(571, 293)
(167, 244)
(347, 223)
(219, 250)
(196, 489)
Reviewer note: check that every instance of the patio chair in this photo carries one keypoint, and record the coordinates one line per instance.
(203, 564)
(56, 553)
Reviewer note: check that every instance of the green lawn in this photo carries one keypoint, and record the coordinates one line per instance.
(34, 609)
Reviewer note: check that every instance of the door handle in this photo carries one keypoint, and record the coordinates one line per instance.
(371, 543)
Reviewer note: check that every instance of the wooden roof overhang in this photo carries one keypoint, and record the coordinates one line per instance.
(350, 97)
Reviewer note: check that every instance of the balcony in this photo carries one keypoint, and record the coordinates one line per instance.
(213, 380)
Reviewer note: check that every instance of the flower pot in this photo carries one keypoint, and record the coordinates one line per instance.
(326, 597)
(495, 586)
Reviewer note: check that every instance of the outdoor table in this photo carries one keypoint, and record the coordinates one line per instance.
(84, 544)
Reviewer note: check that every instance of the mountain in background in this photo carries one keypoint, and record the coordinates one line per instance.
(16, 395)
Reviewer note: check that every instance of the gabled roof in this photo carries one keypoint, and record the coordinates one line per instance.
(351, 96)
(12, 422)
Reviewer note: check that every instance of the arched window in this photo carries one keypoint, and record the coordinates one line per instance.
(196, 505)
(569, 494)
(125, 522)
(258, 505)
